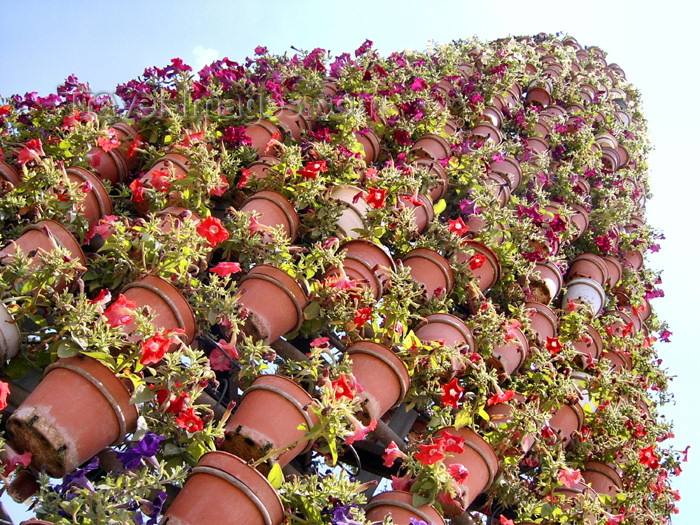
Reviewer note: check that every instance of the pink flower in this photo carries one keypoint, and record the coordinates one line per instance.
(391, 454)
(225, 268)
(33, 150)
(505, 521)
(319, 342)
(569, 477)
(11, 460)
(513, 329)
(458, 472)
(103, 228)
(220, 358)
(403, 483)
(120, 312)
(361, 431)
(110, 141)
(4, 392)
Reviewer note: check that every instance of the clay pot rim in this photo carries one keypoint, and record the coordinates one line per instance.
(439, 260)
(388, 357)
(285, 206)
(450, 320)
(55, 224)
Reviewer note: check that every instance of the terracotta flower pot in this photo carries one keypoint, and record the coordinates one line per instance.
(567, 420)
(510, 168)
(381, 374)
(610, 159)
(448, 330)
(44, 236)
(79, 408)
(502, 414)
(175, 164)
(499, 186)
(9, 175)
(431, 147)
(225, 490)
(437, 191)
(585, 291)
(96, 202)
(484, 264)
(633, 259)
(580, 219)
(486, 131)
(127, 135)
(614, 270)
(371, 146)
(570, 497)
(619, 360)
(590, 344)
(273, 210)
(250, 434)
(171, 309)
(351, 221)
(539, 95)
(547, 282)
(274, 301)
(261, 132)
(493, 115)
(537, 144)
(602, 477)
(589, 266)
(398, 504)
(292, 121)
(543, 321)
(431, 270)
(261, 168)
(481, 462)
(368, 264)
(510, 356)
(10, 336)
(422, 211)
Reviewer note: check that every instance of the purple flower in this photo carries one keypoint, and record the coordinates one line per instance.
(78, 478)
(366, 46)
(236, 136)
(145, 448)
(342, 516)
(468, 207)
(416, 521)
(261, 50)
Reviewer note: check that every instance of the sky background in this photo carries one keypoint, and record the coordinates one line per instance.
(107, 43)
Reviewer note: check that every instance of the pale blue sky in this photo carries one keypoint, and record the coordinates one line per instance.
(106, 43)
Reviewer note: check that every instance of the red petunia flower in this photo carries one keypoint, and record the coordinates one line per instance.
(477, 261)
(173, 404)
(391, 454)
(220, 358)
(245, 175)
(361, 430)
(569, 477)
(430, 454)
(457, 226)
(154, 348)
(362, 316)
(120, 312)
(225, 268)
(376, 197)
(137, 189)
(450, 442)
(502, 397)
(213, 231)
(312, 169)
(4, 392)
(451, 393)
(190, 421)
(648, 457)
(342, 388)
(458, 472)
(110, 141)
(554, 345)
(33, 150)
(160, 180)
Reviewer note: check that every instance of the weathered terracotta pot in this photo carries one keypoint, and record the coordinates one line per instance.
(580, 219)
(175, 164)
(250, 435)
(398, 504)
(493, 115)
(96, 202)
(480, 231)
(489, 271)
(371, 145)
(537, 144)
(274, 301)
(481, 462)
(431, 147)
(602, 477)
(619, 359)
(261, 133)
(225, 490)
(539, 95)
(79, 408)
(585, 291)
(127, 135)
(546, 283)
(610, 159)
(543, 320)
(292, 121)
(567, 420)
(589, 266)
(170, 308)
(109, 165)
(502, 414)
(606, 140)
(10, 336)
(351, 221)
(633, 259)
(366, 263)
(44, 236)
(590, 344)
(449, 330)
(9, 175)
(431, 270)
(273, 210)
(381, 374)
(510, 356)
(423, 213)
(261, 168)
(437, 191)
(486, 131)
(510, 168)
(499, 187)
(614, 270)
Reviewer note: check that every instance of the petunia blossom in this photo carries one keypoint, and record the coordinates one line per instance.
(392, 453)
(342, 388)
(33, 150)
(376, 197)
(457, 226)
(362, 316)
(221, 357)
(154, 348)
(569, 477)
(458, 472)
(451, 393)
(553, 345)
(190, 421)
(225, 268)
(430, 454)
(213, 230)
(476, 261)
(450, 442)
(4, 392)
(120, 312)
(501, 397)
(361, 430)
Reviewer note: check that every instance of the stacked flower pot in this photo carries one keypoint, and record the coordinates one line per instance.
(423, 267)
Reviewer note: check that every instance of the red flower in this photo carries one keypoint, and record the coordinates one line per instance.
(477, 261)
(4, 110)
(137, 189)
(160, 180)
(190, 421)
(220, 358)
(225, 268)
(376, 197)
(450, 443)
(362, 316)
(312, 169)
(512, 330)
(569, 477)
(553, 345)
(391, 454)
(458, 472)
(175, 404)
(120, 312)
(457, 226)
(213, 231)
(361, 431)
(154, 348)
(505, 521)
(319, 342)
(342, 388)
(245, 175)
(32, 150)
(502, 397)
(4, 392)
(648, 457)
(104, 228)
(110, 141)
(102, 298)
(451, 393)
(430, 454)
(219, 190)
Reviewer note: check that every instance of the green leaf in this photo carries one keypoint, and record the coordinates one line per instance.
(462, 419)
(484, 414)
(67, 349)
(440, 206)
(312, 311)
(141, 395)
(276, 477)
